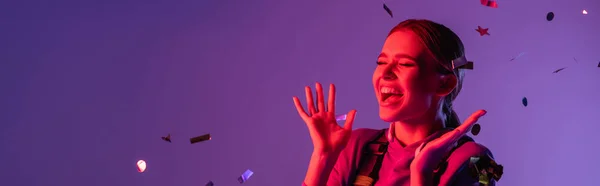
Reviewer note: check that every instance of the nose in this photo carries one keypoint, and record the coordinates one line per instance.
(388, 74)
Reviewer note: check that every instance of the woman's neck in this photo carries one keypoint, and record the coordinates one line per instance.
(408, 133)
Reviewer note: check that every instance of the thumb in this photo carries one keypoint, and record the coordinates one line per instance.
(349, 120)
(419, 149)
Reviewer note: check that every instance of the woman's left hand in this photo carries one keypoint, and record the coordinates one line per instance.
(430, 154)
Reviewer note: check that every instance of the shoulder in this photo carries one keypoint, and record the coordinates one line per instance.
(457, 167)
(472, 148)
(358, 139)
(349, 159)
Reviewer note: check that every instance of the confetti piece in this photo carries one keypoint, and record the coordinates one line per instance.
(575, 60)
(210, 183)
(485, 169)
(200, 138)
(518, 56)
(489, 3)
(141, 165)
(468, 65)
(340, 117)
(584, 12)
(167, 138)
(550, 16)
(598, 64)
(476, 129)
(482, 31)
(387, 9)
(558, 70)
(244, 177)
(525, 103)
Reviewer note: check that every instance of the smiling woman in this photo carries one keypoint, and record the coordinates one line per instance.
(418, 75)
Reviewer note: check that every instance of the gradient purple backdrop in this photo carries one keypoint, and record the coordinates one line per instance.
(89, 87)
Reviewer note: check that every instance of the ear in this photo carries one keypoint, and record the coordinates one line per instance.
(446, 85)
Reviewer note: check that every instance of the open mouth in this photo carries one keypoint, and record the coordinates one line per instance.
(385, 97)
(390, 94)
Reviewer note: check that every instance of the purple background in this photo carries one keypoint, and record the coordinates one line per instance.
(89, 87)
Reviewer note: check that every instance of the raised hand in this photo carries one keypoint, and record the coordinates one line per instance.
(430, 154)
(326, 134)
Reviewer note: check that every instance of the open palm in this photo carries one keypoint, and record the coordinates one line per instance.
(429, 154)
(326, 134)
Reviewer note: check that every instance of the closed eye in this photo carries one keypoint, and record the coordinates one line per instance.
(399, 64)
(406, 64)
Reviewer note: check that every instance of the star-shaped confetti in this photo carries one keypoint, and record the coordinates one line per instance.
(482, 31)
(167, 138)
(489, 3)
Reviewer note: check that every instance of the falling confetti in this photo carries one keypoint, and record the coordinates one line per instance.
(558, 70)
(468, 65)
(584, 12)
(340, 117)
(200, 138)
(210, 183)
(550, 16)
(387, 9)
(482, 31)
(167, 138)
(575, 60)
(141, 165)
(244, 177)
(518, 56)
(525, 103)
(476, 129)
(598, 64)
(489, 3)
(485, 169)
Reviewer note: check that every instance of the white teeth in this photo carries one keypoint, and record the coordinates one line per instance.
(389, 90)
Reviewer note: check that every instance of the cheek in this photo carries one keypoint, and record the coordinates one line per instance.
(374, 79)
(421, 86)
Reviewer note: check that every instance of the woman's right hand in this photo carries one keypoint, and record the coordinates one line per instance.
(326, 134)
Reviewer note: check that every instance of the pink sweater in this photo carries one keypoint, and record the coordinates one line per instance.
(395, 169)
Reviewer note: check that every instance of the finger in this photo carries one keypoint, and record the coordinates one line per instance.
(309, 100)
(320, 98)
(331, 101)
(300, 109)
(466, 126)
(349, 120)
(419, 148)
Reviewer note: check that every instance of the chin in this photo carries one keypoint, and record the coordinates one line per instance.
(388, 116)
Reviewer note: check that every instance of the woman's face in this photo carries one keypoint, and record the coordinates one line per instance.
(405, 79)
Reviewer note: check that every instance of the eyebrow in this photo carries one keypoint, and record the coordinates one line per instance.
(398, 56)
